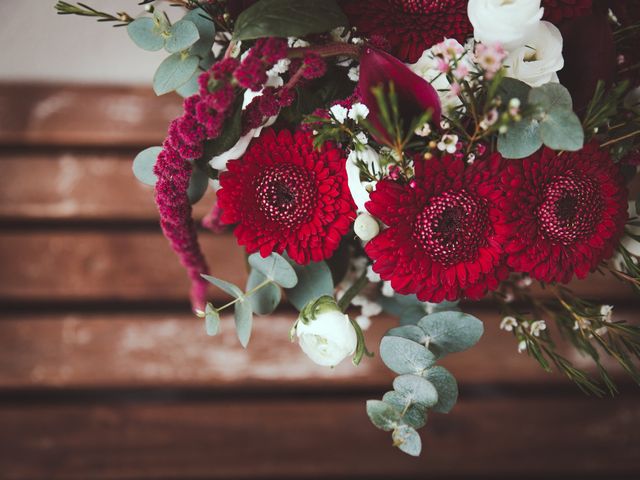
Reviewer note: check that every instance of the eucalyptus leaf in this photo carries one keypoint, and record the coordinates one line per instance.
(383, 415)
(512, 88)
(173, 72)
(314, 281)
(418, 390)
(551, 96)
(451, 332)
(405, 356)
(407, 439)
(521, 140)
(446, 386)
(562, 130)
(198, 184)
(415, 416)
(193, 86)
(183, 34)
(275, 268)
(243, 316)
(206, 31)
(284, 18)
(145, 34)
(226, 287)
(412, 314)
(143, 165)
(211, 320)
(411, 332)
(266, 299)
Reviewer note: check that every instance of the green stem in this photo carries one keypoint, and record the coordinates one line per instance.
(247, 294)
(354, 290)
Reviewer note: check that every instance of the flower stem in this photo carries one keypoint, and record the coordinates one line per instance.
(353, 290)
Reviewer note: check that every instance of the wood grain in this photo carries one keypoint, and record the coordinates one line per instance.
(84, 115)
(493, 437)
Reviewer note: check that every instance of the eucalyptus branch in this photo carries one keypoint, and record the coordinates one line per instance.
(84, 10)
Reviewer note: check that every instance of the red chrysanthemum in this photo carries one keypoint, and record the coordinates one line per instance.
(565, 213)
(410, 26)
(557, 10)
(445, 234)
(286, 195)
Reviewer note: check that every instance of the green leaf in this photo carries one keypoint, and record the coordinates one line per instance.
(198, 184)
(266, 299)
(211, 320)
(173, 72)
(226, 287)
(521, 140)
(284, 18)
(512, 88)
(551, 96)
(314, 281)
(405, 356)
(275, 268)
(407, 439)
(243, 316)
(414, 415)
(183, 34)
(451, 332)
(192, 86)
(410, 332)
(562, 130)
(206, 31)
(417, 390)
(145, 34)
(446, 386)
(383, 415)
(412, 314)
(143, 165)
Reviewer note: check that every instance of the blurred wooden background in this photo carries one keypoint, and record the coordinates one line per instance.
(105, 374)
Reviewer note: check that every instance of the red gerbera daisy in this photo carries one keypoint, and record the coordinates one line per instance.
(445, 234)
(565, 212)
(557, 10)
(410, 26)
(286, 195)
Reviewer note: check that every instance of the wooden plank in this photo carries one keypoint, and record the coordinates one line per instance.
(307, 438)
(71, 185)
(163, 350)
(84, 115)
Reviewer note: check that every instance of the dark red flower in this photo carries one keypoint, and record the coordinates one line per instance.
(557, 10)
(410, 26)
(565, 213)
(284, 194)
(445, 234)
(415, 94)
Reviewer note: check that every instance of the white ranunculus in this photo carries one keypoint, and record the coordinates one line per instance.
(540, 59)
(507, 22)
(327, 339)
(358, 188)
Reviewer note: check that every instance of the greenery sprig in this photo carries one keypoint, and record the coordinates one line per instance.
(121, 19)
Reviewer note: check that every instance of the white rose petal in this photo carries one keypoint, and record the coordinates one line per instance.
(328, 339)
(507, 22)
(538, 62)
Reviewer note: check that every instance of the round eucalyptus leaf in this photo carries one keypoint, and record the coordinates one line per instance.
(411, 332)
(407, 439)
(198, 184)
(206, 31)
(383, 415)
(414, 415)
(266, 299)
(226, 287)
(145, 34)
(446, 386)
(512, 88)
(143, 165)
(521, 140)
(173, 72)
(183, 34)
(405, 356)
(562, 130)
(418, 390)
(275, 268)
(243, 316)
(211, 320)
(452, 332)
(411, 314)
(314, 281)
(551, 96)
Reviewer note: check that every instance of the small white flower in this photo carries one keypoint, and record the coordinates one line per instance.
(522, 346)
(606, 312)
(354, 73)
(360, 190)
(372, 276)
(537, 327)
(582, 324)
(371, 309)
(281, 66)
(362, 138)
(489, 120)
(448, 143)
(339, 113)
(366, 227)
(363, 321)
(297, 42)
(387, 289)
(423, 131)
(508, 323)
(358, 111)
(471, 158)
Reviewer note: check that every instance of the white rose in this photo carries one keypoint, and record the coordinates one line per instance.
(358, 188)
(328, 338)
(508, 22)
(540, 59)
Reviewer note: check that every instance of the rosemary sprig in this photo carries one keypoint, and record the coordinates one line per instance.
(121, 18)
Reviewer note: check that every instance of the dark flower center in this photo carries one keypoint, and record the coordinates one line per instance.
(452, 227)
(570, 210)
(286, 194)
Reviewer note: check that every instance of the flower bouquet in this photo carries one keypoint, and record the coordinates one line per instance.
(403, 156)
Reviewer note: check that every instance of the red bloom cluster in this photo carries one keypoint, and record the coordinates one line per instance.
(410, 26)
(456, 231)
(286, 195)
(557, 10)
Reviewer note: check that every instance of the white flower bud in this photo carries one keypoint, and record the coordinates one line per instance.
(366, 227)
